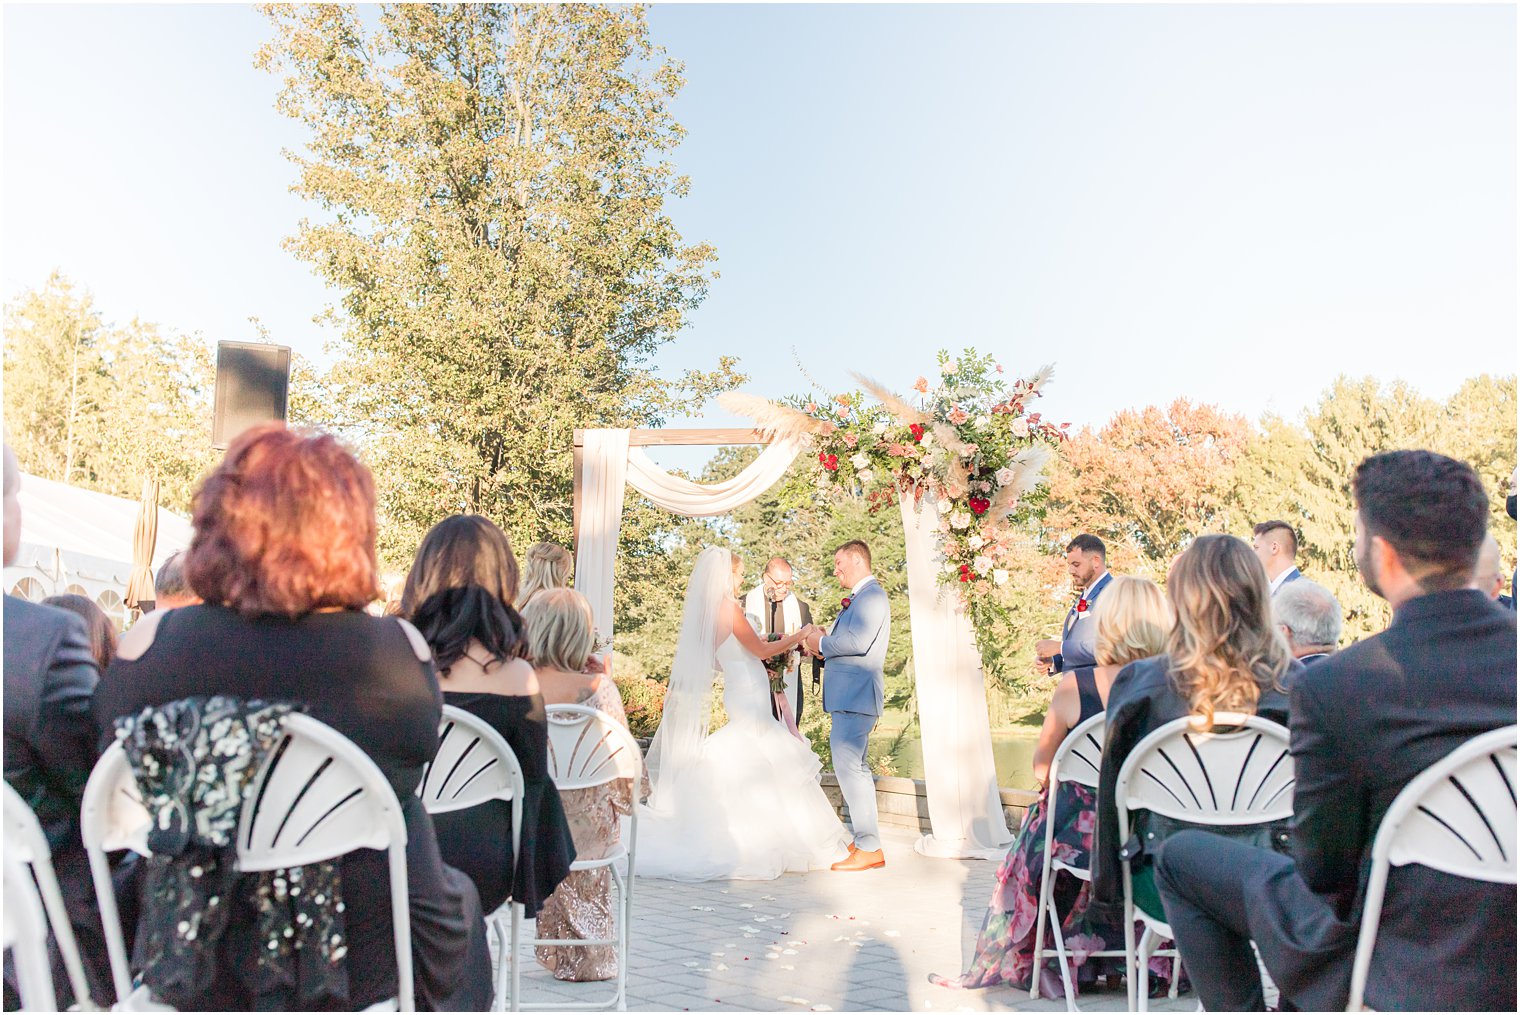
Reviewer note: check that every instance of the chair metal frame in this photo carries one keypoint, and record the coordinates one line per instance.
(27, 844)
(1270, 799)
(1474, 838)
(365, 815)
(587, 747)
(477, 765)
(26, 938)
(1079, 759)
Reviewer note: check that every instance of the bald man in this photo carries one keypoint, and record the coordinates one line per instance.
(773, 608)
(1488, 576)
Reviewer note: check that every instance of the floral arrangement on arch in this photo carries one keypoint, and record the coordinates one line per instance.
(968, 438)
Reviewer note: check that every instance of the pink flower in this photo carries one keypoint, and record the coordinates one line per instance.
(957, 417)
(921, 385)
(972, 450)
(844, 410)
(826, 428)
(810, 407)
(999, 367)
(849, 440)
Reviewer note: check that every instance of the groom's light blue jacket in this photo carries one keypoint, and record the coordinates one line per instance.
(855, 652)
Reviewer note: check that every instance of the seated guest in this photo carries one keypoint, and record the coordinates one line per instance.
(1370, 719)
(1223, 655)
(546, 566)
(1310, 618)
(50, 743)
(284, 557)
(1488, 578)
(559, 643)
(170, 587)
(459, 595)
(1131, 622)
(102, 632)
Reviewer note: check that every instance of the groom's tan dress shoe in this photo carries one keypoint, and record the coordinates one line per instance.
(861, 860)
(853, 849)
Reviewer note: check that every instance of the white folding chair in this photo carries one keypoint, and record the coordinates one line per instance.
(474, 765)
(317, 796)
(26, 938)
(1237, 773)
(26, 844)
(589, 748)
(1079, 759)
(1457, 817)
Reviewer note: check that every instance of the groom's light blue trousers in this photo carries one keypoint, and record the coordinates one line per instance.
(848, 738)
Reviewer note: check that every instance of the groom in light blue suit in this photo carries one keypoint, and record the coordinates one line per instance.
(854, 653)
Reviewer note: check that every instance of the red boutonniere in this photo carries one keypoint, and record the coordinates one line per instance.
(1082, 606)
(844, 604)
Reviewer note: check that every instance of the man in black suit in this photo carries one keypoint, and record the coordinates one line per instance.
(1309, 616)
(1364, 722)
(50, 739)
(774, 608)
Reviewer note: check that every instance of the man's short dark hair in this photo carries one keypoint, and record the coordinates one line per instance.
(857, 546)
(1277, 525)
(170, 582)
(1088, 543)
(1431, 509)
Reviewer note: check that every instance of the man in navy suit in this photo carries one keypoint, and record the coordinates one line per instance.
(1087, 562)
(1364, 722)
(1276, 546)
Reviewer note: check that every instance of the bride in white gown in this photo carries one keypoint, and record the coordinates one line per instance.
(743, 802)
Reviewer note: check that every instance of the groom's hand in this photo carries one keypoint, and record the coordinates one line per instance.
(813, 640)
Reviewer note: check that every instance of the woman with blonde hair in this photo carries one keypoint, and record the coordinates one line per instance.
(560, 644)
(545, 566)
(1225, 654)
(1133, 620)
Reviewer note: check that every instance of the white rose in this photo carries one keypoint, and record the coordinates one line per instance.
(1020, 427)
(949, 368)
(960, 519)
(977, 542)
(928, 439)
(981, 564)
(860, 461)
(981, 422)
(865, 475)
(880, 426)
(1000, 577)
(1004, 476)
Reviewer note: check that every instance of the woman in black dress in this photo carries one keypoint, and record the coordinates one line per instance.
(284, 557)
(459, 595)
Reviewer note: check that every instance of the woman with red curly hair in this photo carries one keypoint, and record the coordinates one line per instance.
(283, 558)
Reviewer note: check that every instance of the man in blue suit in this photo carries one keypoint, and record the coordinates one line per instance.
(854, 653)
(1087, 563)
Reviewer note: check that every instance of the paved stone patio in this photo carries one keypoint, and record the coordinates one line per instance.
(814, 942)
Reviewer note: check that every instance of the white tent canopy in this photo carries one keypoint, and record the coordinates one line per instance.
(82, 539)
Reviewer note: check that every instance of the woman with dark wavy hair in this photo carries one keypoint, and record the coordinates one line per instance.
(459, 595)
(1225, 654)
(284, 558)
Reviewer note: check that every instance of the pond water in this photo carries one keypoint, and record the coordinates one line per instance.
(1012, 752)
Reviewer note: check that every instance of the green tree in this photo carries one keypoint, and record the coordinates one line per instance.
(493, 180)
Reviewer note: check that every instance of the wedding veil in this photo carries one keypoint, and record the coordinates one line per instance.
(688, 697)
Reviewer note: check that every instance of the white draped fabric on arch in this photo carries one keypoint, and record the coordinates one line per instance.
(965, 812)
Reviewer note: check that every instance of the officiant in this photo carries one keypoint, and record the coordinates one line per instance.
(774, 609)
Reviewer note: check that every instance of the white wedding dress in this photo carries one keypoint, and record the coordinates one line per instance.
(743, 802)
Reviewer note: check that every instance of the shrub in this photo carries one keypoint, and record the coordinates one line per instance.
(644, 701)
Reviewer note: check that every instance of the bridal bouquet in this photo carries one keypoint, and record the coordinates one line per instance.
(777, 666)
(968, 437)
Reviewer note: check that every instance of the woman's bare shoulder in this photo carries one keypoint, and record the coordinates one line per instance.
(139, 638)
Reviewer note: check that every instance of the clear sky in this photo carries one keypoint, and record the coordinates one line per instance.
(1231, 204)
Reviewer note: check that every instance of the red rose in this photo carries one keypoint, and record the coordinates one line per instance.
(965, 577)
(844, 604)
(979, 505)
(823, 458)
(917, 430)
(1082, 605)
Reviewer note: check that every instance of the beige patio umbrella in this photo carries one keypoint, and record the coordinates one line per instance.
(144, 539)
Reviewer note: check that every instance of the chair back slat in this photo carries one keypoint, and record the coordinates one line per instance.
(473, 764)
(26, 938)
(1462, 820)
(588, 748)
(316, 797)
(1079, 759)
(1237, 773)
